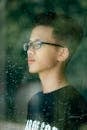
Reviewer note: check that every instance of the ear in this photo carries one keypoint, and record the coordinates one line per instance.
(63, 54)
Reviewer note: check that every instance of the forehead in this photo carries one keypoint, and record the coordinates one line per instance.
(42, 33)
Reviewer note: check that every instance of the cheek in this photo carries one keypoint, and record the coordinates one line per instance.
(47, 59)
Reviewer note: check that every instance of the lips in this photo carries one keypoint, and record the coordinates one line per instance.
(30, 61)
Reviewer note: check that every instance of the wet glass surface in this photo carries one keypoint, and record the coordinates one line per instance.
(17, 85)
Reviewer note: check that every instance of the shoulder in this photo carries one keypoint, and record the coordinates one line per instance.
(75, 96)
(35, 98)
(37, 95)
(78, 105)
(73, 93)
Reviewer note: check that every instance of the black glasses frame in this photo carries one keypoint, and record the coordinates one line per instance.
(39, 43)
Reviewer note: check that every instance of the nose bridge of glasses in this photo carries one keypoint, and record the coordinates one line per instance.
(30, 45)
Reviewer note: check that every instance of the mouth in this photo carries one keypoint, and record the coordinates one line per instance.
(30, 61)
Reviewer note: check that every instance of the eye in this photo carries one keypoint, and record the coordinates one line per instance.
(37, 44)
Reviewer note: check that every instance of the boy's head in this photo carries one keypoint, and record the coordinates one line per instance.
(53, 40)
(66, 31)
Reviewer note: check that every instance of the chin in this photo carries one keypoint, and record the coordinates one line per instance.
(34, 68)
(33, 71)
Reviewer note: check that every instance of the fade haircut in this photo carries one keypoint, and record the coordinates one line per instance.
(66, 30)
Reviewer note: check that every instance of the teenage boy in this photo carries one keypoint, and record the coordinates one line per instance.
(52, 43)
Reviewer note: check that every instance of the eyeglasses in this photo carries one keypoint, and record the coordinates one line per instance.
(37, 44)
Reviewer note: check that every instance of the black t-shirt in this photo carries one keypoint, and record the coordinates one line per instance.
(63, 109)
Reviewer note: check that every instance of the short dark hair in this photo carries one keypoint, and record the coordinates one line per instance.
(66, 30)
(45, 19)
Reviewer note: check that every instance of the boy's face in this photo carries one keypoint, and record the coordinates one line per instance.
(44, 58)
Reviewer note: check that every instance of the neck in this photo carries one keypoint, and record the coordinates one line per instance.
(52, 80)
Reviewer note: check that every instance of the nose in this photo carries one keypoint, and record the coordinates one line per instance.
(30, 51)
